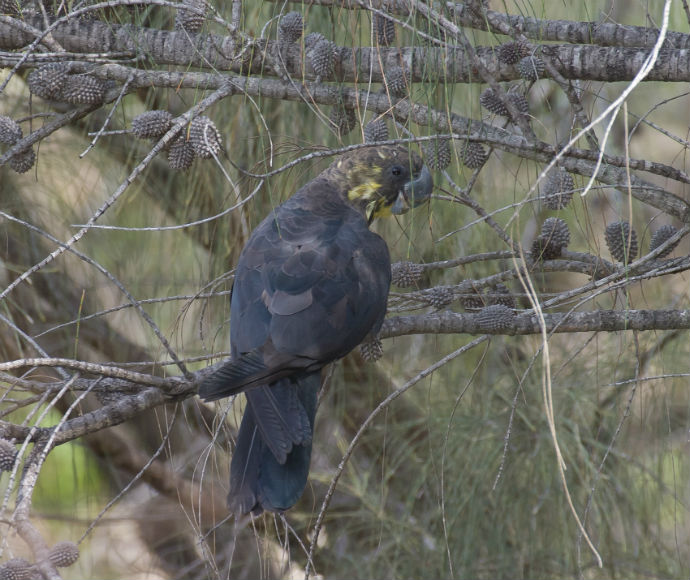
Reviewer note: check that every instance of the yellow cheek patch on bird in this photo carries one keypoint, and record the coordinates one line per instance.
(365, 191)
(377, 209)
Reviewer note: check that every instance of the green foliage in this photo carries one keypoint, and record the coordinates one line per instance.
(69, 478)
(432, 492)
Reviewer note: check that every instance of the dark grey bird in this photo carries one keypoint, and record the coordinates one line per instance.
(311, 284)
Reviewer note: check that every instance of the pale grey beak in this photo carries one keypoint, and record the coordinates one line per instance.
(419, 190)
(400, 206)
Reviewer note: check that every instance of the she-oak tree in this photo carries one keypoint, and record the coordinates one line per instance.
(542, 298)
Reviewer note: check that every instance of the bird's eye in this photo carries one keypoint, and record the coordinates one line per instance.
(396, 170)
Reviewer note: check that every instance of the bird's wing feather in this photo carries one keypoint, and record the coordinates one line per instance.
(308, 289)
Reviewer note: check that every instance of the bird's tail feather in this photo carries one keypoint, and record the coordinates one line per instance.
(280, 416)
(258, 480)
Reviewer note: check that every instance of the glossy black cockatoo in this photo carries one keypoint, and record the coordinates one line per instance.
(311, 284)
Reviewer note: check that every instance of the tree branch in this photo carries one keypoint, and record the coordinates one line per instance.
(449, 64)
(596, 321)
(543, 30)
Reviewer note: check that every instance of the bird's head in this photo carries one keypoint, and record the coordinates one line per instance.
(384, 180)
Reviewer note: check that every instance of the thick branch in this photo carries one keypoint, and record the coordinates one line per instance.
(116, 413)
(123, 408)
(598, 320)
(428, 64)
(603, 33)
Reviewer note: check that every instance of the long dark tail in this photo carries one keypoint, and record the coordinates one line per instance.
(270, 465)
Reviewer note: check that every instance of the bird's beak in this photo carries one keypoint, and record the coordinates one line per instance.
(400, 206)
(414, 193)
(418, 191)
